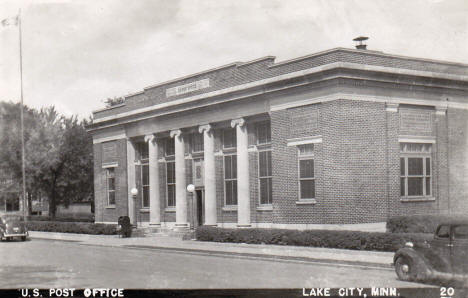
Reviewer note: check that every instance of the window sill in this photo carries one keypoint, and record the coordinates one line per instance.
(417, 199)
(144, 210)
(306, 202)
(110, 207)
(229, 208)
(170, 209)
(265, 208)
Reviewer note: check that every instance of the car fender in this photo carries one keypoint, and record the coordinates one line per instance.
(423, 266)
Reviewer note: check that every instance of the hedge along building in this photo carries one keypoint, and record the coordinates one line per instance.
(341, 136)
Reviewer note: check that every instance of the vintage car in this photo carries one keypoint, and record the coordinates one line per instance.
(443, 258)
(12, 226)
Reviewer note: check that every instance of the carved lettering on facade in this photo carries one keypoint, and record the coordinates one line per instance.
(187, 88)
(416, 120)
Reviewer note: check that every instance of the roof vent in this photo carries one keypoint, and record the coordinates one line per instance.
(359, 42)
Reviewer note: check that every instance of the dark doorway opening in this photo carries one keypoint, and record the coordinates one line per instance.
(200, 196)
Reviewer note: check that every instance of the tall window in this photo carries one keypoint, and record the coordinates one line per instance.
(145, 185)
(306, 171)
(230, 179)
(415, 170)
(142, 150)
(169, 147)
(197, 142)
(263, 133)
(143, 158)
(170, 182)
(110, 179)
(229, 138)
(264, 168)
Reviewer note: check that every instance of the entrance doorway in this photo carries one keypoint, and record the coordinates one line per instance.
(200, 200)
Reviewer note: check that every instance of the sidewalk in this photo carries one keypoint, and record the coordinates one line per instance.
(277, 252)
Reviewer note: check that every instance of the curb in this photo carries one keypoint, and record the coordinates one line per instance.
(263, 256)
(221, 253)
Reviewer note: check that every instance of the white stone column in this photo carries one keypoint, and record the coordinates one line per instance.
(181, 194)
(210, 175)
(131, 183)
(243, 189)
(155, 205)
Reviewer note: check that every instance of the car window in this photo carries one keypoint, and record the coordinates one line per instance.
(461, 232)
(443, 232)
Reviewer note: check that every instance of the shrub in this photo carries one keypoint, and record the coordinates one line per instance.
(316, 238)
(64, 218)
(71, 227)
(418, 223)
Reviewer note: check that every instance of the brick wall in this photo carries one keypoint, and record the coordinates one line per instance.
(102, 212)
(349, 164)
(458, 160)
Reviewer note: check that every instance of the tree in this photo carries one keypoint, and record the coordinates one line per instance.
(59, 159)
(110, 102)
(10, 141)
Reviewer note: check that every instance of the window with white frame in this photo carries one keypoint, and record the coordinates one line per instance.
(170, 184)
(263, 133)
(265, 177)
(229, 138)
(145, 203)
(230, 179)
(415, 170)
(110, 184)
(197, 142)
(143, 159)
(306, 171)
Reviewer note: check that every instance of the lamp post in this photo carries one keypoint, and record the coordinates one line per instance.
(134, 193)
(191, 189)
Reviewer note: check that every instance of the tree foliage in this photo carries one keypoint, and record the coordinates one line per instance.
(110, 102)
(58, 153)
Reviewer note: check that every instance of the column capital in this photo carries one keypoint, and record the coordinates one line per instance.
(391, 106)
(175, 133)
(204, 127)
(239, 121)
(150, 138)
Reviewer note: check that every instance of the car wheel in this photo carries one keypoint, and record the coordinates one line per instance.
(23, 238)
(405, 269)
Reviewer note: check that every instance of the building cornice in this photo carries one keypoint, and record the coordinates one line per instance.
(302, 73)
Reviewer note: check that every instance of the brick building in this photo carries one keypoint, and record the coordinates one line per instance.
(341, 136)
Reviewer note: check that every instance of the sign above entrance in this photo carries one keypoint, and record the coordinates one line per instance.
(187, 88)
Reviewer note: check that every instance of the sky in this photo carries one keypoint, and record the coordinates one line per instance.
(78, 53)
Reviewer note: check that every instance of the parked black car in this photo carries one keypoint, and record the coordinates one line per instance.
(12, 226)
(444, 257)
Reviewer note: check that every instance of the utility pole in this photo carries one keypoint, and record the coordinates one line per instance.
(22, 120)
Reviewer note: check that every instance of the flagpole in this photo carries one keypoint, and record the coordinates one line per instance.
(22, 119)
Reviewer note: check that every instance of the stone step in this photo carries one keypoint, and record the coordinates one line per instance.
(162, 232)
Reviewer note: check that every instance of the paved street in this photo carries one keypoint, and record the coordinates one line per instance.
(48, 263)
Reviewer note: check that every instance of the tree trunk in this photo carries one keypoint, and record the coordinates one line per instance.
(52, 203)
(29, 203)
